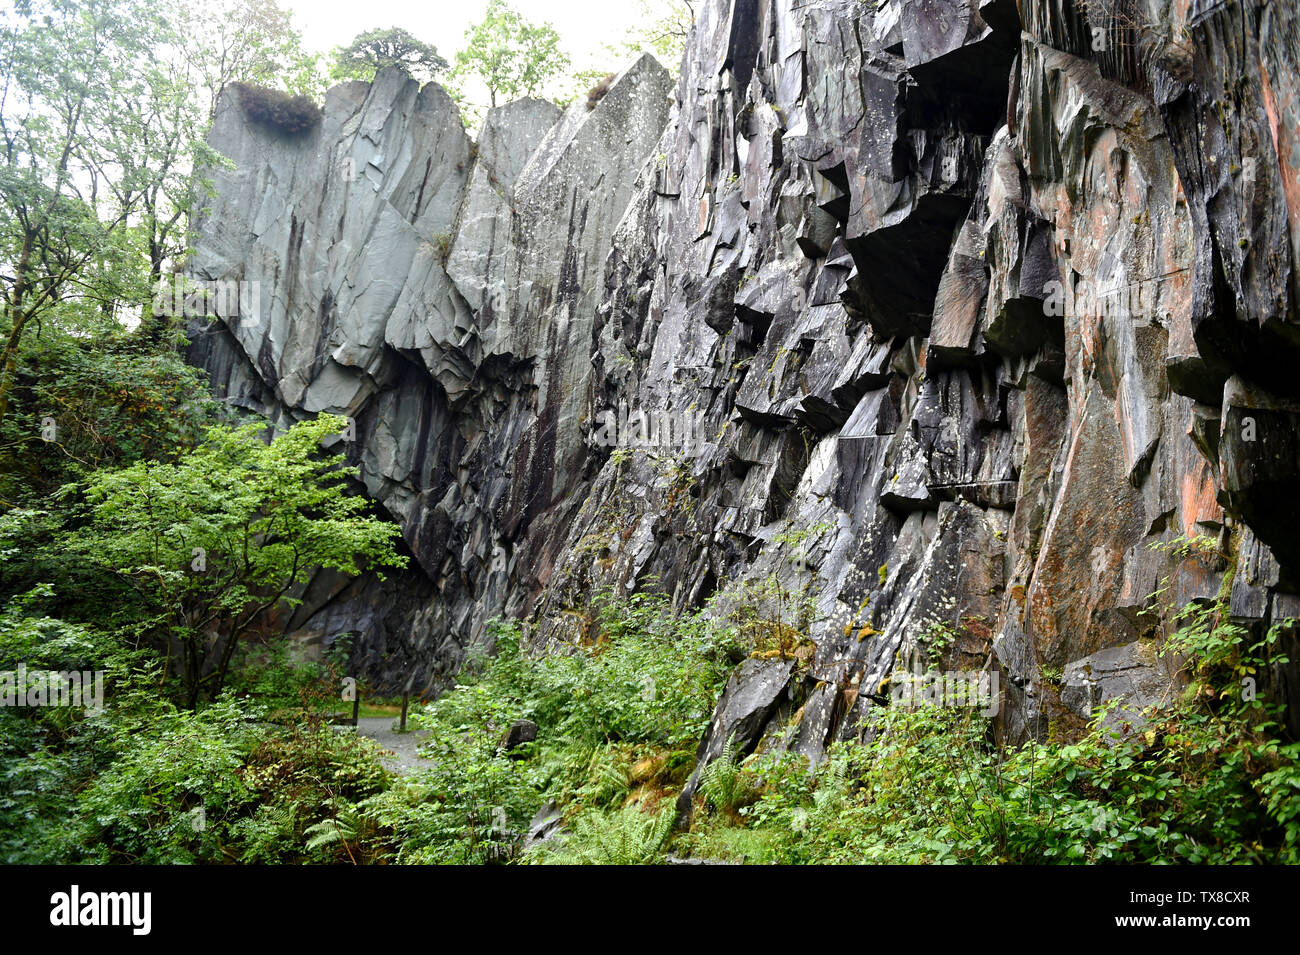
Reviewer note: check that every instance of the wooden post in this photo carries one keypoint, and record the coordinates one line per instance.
(406, 698)
(356, 706)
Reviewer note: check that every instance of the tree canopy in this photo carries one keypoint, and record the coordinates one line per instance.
(218, 538)
(509, 55)
(376, 50)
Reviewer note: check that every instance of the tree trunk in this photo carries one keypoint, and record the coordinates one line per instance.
(17, 320)
(192, 672)
(227, 653)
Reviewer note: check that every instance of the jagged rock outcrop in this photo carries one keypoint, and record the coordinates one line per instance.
(440, 293)
(957, 315)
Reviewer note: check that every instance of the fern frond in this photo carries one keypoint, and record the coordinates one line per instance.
(723, 783)
(341, 828)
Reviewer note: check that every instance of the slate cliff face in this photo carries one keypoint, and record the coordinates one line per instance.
(962, 314)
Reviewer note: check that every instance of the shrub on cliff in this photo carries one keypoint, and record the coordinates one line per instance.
(290, 114)
(597, 92)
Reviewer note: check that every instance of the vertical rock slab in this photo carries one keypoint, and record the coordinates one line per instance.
(410, 281)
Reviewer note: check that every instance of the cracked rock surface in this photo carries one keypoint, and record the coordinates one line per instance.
(984, 311)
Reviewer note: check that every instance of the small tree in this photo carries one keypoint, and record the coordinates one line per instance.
(511, 56)
(215, 542)
(375, 50)
(663, 31)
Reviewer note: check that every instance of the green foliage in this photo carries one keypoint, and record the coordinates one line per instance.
(607, 779)
(627, 836)
(938, 640)
(773, 620)
(267, 671)
(618, 713)
(1201, 546)
(93, 571)
(663, 30)
(509, 55)
(150, 784)
(1210, 780)
(111, 401)
(250, 41)
(442, 246)
(338, 831)
(269, 835)
(140, 781)
(1221, 654)
(474, 802)
(171, 793)
(216, 786)
(220, 536)
(45, 751)
(106, 104)
(66, 222)
(111, 472)
(375, 50)
(652, 677)
(723, 784)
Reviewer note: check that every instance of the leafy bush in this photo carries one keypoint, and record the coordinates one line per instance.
(110, 402)
(290, 688)
(218, 539)
(46, 752)
(723, 783)
(172, 793)
(85, 586)
(141, 781)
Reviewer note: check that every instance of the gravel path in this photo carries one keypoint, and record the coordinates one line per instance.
(403, 758)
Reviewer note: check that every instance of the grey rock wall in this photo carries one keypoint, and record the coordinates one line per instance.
(970, 311)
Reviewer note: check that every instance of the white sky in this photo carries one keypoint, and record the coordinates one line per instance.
(585, 26)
